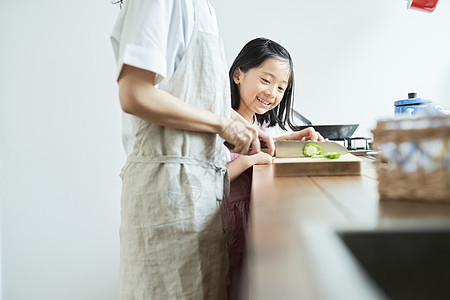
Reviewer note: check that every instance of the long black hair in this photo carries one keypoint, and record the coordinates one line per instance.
(252, 56)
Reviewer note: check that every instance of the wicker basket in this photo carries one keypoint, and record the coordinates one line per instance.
(415, 159)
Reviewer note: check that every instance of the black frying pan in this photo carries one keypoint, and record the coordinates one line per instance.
(331, 132)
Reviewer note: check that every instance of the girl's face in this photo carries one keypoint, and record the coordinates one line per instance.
(261, 88)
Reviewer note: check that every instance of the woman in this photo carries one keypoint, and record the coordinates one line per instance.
(172, 244)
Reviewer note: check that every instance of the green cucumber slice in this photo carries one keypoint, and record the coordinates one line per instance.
(311, 149)
(333, 155)
(330, 155)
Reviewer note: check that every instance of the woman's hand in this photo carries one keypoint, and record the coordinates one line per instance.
(307, 134)
(240, 135)
(244, 137)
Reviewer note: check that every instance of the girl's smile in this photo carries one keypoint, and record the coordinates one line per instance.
(263, 101)
(261, 88)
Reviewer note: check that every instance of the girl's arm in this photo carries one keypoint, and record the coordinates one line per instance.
(243, 162)
(307, 134)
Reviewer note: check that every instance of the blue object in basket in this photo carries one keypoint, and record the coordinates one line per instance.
(412, 105)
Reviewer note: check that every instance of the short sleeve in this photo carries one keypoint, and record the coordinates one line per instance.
(141, 35)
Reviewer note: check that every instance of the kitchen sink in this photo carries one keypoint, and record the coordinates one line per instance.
(404, 264)
(379, 263)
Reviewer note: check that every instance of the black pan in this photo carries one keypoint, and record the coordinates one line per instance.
(331, 132)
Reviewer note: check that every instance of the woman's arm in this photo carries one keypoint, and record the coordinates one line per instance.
(139, 97)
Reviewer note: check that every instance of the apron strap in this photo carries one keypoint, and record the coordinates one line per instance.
(222, 180)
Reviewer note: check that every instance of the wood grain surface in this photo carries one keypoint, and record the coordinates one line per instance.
(347, 164)
(278, 263)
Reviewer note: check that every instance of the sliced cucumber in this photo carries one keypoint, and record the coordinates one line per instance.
(311, 149)
(314, 150)
(331, 155)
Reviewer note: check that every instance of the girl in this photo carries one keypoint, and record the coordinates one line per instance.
(262, 80)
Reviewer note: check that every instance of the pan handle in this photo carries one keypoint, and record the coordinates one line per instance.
(301, 117)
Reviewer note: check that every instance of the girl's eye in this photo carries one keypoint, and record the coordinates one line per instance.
(265, 80)
(282, 89)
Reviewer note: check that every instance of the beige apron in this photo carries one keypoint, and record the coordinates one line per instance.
(172, 244)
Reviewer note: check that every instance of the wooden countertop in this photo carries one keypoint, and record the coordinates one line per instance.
(278, 266)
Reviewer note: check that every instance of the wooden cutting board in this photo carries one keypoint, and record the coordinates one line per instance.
(347, 164)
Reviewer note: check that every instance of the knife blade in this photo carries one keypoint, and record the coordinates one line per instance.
(295, 148)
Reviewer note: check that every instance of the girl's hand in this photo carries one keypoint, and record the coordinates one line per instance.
(307, 134)
(261, 158)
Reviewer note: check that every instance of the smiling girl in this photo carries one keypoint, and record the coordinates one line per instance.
(262, 80)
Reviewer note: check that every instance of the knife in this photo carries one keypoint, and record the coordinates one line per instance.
(230, 146)
(295, 148)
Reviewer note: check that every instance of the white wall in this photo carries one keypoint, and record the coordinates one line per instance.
(1, 240)
(60, 148)
(352, 58)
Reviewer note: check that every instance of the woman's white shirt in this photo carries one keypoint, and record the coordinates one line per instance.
(154, 35)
